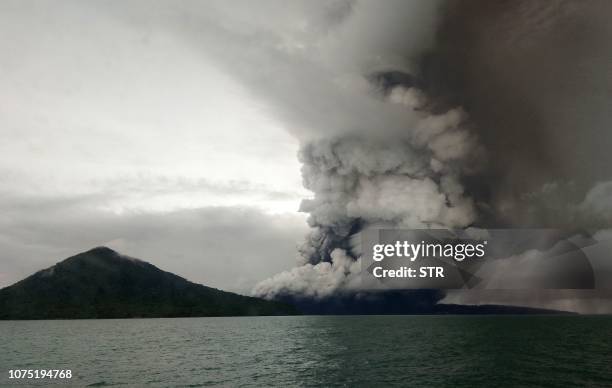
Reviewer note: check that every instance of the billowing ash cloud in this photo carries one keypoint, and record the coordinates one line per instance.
(427, 114)
(408, 174)
(316, 281)
(535, 78)
(409, 180)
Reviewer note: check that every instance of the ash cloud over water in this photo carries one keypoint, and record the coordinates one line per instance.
(536, 78)
(428, 114)
(402, 167)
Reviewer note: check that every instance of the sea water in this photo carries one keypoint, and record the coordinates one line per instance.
(323, 351)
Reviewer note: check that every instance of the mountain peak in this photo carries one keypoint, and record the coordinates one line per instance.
(102, 283)
(102, 250)
(102, 258)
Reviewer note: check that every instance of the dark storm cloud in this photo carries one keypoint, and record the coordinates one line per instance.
(536, 78)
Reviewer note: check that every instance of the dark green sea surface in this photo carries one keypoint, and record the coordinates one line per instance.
(323, 351)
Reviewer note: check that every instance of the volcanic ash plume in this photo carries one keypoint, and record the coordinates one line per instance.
(377, 94)
(411, 179)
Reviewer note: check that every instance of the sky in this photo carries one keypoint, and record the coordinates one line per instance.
(123, 135)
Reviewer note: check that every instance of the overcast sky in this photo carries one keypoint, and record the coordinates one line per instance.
(120, 132)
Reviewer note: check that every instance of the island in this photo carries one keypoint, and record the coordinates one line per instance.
(102, 283)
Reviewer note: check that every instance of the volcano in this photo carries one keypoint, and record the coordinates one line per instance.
(102, 283)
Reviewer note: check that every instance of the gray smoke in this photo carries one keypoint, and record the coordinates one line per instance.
(535, 77)
(409, 180)
(406, 169)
